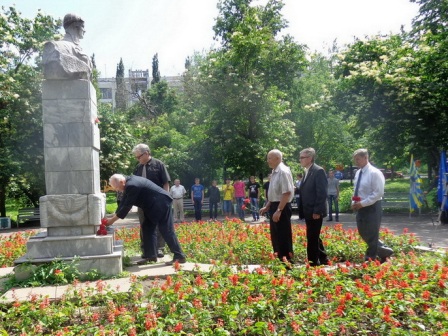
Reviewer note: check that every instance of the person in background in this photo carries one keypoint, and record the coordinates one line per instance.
(229, 196)
(178, 192)
(297, 187)
(280, 194)
(266, 189)
(253, 193)
(240, 192)
(313, 206)
(155, 171)
(214, 198)
(197, 198)
(369, 190)
(333, 196)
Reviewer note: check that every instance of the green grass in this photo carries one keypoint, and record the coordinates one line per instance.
(111, 202)
(396, 186)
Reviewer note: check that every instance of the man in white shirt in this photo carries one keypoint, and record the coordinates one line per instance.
(369, 190)
(177, 192)
(280, 194)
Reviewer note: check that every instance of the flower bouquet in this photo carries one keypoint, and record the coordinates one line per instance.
(355, 199)
(102, 231)
(247, 206)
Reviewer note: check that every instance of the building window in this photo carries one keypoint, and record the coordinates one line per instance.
(106, 93)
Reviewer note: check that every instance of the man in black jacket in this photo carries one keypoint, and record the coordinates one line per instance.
(155, 203)
(313, 206)
(155, 171)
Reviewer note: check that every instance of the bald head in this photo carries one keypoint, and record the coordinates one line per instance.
(274, 158)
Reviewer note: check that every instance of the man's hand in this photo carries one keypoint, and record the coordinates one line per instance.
(356, 206)
(316, 216)
(276, 216)
(263, 210)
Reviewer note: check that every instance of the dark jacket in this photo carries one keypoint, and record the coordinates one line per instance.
(214, 194)
(155, 171)
(313, 193)
(144, 194)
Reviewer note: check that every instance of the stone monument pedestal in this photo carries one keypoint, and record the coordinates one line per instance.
(74, 205)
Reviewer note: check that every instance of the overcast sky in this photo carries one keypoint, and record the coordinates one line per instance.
(137, 29)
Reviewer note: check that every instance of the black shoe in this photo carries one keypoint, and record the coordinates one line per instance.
(179, 260)
(145, 261)
(337, 219)
(330, 220)
(160, 253)
(325, 262)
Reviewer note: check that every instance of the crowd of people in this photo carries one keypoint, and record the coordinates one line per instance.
(315, 193)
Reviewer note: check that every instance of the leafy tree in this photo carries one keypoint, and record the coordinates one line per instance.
(237, 90)
(319, 123)
(117, 141)
(155, 69)
(120, 96)
(21, 143)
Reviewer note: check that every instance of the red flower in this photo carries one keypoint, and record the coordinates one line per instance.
(178, 327)
(356, 199)
(104, 221)
(102, 230)
(243, 207)
(247, 200)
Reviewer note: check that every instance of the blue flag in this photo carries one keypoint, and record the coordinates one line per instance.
(415, 193)
(441, 187)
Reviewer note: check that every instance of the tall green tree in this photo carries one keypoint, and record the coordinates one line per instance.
(21, 141)
(120, 95)
(155, 69)
(240, 89)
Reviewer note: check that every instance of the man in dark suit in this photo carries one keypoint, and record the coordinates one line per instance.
(313, 206)
(155, 203)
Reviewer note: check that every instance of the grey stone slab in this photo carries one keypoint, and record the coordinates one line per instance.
(61, 111)
(70, 212)
(56, 159)
(80, 158)
(72, 182)
(69, 246)
(69, 135)
(96, 137)
(81, 135)
(80, 230)
(65, 159)
(56, 135)
(68, 89)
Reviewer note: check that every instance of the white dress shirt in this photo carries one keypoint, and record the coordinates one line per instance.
(371, 188)
(177, 191)
(281, 182)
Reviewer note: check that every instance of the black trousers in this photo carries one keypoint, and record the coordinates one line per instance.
(160, 216)
(281, 232)
(315, 248)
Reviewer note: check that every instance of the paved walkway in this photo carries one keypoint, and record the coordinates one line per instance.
(424, 226)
